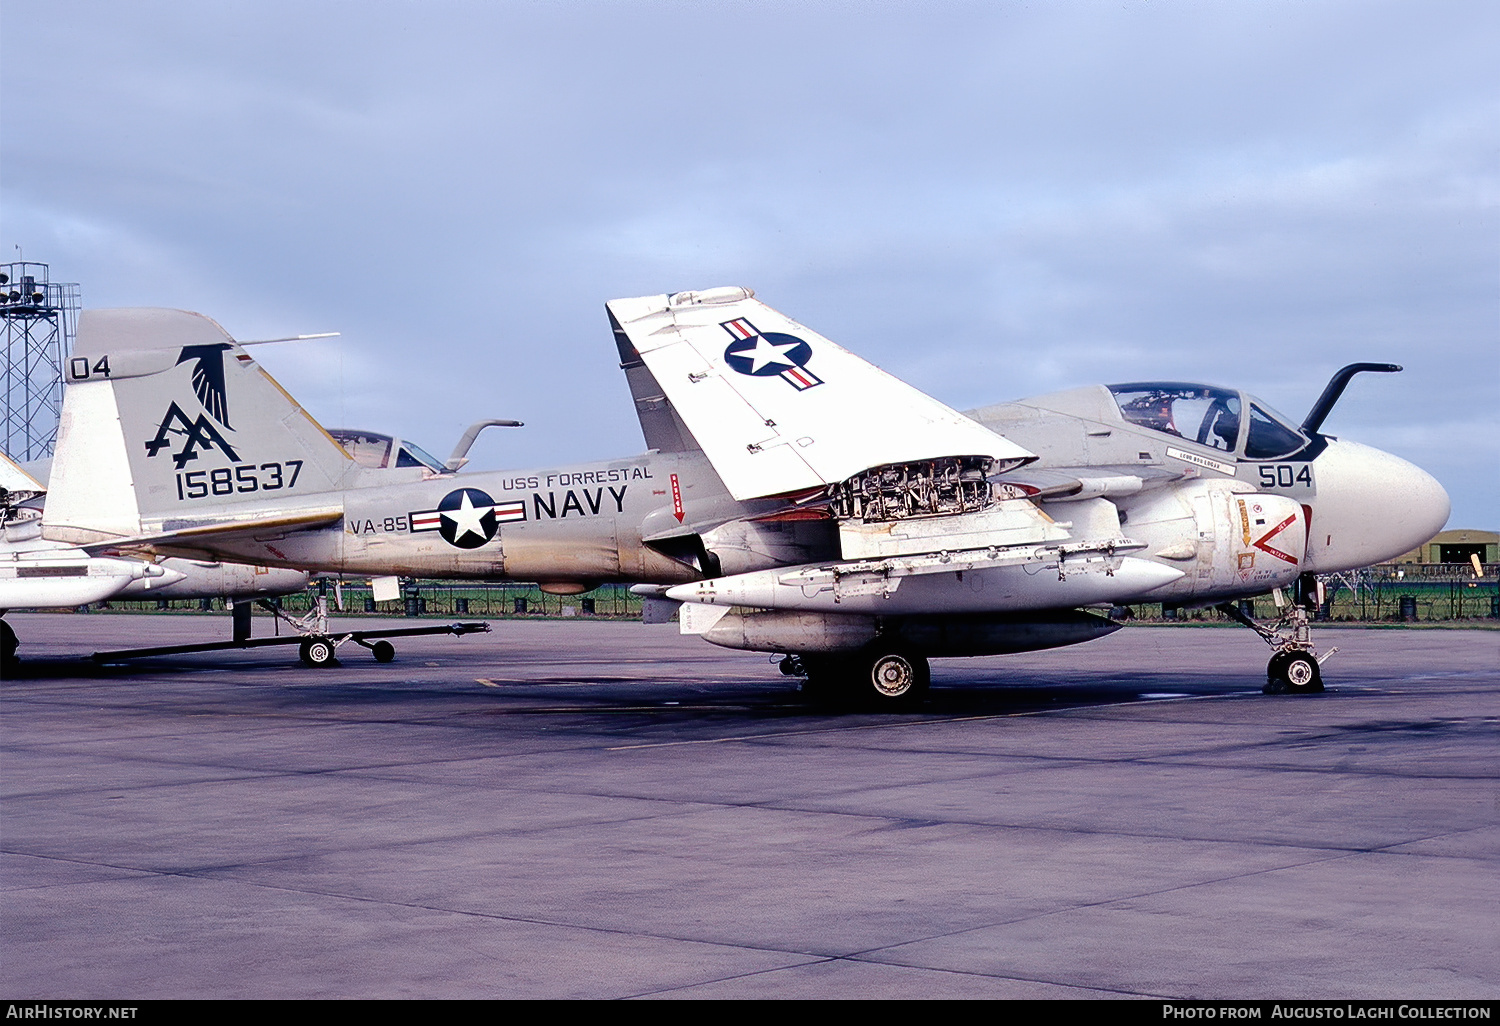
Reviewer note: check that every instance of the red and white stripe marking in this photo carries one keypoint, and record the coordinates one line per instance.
(741, 328)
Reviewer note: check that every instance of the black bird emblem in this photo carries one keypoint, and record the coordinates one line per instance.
(208, 379)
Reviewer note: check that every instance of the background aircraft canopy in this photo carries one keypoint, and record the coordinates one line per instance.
(376, 451)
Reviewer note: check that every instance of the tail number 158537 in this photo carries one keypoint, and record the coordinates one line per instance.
(244, 477)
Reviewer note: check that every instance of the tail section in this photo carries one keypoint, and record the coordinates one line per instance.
(168, 421)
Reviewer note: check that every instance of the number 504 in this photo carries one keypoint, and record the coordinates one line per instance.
(1284, 475)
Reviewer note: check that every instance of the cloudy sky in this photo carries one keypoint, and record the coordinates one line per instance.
(988, 200)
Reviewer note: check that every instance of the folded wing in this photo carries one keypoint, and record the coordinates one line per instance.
(778, 408)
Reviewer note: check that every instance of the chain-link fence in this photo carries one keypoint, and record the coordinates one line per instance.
(1391, 593)
(446, 599)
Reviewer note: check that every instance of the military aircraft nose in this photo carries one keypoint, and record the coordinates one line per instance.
(1370, 507)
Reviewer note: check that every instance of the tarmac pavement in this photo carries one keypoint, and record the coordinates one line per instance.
(608, 810)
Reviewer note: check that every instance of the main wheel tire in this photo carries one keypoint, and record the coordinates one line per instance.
(894, 678)
(383, 651)
(317, 652)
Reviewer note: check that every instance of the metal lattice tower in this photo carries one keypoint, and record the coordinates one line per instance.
(40, 317)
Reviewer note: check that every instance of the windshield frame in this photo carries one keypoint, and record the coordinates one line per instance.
(1276, 422)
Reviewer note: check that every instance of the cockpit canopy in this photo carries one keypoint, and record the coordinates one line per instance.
(1209, 416)
(378, 452)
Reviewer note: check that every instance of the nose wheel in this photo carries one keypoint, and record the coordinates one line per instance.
(1293, 672)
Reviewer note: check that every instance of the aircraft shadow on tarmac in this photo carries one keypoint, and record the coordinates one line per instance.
(975, 691)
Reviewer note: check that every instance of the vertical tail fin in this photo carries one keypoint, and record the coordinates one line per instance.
(167, 418)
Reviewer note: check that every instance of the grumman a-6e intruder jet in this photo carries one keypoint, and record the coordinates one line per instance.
(793, 498)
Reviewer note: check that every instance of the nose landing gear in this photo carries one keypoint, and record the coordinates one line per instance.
(1295, 667)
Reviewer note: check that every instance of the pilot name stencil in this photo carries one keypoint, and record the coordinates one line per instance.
(1201, 461)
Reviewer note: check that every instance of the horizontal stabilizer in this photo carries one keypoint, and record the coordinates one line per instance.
(14, 479)
(184, 535)
(778, 408)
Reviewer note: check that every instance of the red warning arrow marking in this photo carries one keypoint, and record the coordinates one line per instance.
(1260, 543)
(677, 504)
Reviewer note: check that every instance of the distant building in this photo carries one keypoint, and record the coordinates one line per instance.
(1456, 547)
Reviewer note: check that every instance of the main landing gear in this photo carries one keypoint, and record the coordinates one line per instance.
(1295, 667)
(876, 677)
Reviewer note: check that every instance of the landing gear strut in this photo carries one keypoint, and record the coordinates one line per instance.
(1295, 667)
(875, 677)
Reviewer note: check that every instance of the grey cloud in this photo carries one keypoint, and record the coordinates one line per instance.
(989, 200)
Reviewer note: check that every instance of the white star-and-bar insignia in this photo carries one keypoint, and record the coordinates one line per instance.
(467, 518)
(432, 519)
(767, 352)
